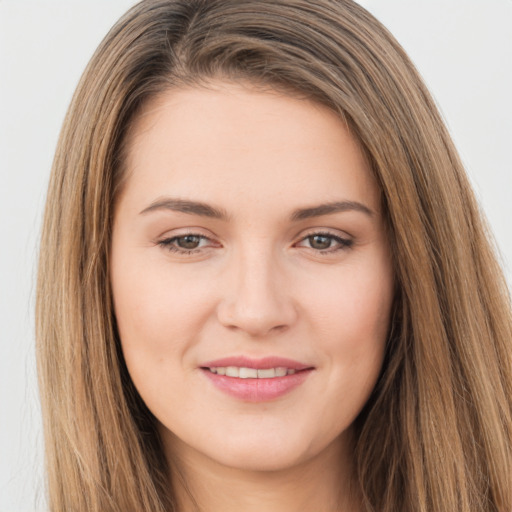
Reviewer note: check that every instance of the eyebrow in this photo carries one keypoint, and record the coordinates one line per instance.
(186, 206)
(206, 210)
(328, 208)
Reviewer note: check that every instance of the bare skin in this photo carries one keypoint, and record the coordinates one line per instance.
(250, 229)
(215, 489)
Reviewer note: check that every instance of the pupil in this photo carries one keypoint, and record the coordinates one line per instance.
(320, 242)
(188, 242)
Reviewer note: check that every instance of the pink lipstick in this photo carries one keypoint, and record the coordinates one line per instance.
(256, 380)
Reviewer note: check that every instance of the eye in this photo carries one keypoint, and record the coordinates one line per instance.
(325, 242)
(185, 244)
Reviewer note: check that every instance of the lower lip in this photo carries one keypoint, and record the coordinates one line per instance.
(257, 390)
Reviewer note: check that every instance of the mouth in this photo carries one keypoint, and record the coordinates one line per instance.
(251, 373)
(252, 380)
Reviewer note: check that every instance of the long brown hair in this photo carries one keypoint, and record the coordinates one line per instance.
(436, 434)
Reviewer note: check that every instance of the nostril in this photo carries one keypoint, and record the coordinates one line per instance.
(256, 304)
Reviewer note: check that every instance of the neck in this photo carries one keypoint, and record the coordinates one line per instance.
(323, 483)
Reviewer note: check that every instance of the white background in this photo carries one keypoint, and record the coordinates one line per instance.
(463, 48)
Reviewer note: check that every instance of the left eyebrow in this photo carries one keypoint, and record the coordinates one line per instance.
(328, 208)
(186, 206)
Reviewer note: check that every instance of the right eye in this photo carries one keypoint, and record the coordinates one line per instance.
(325, 242)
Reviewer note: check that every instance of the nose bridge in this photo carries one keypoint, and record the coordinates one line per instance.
(257, 300)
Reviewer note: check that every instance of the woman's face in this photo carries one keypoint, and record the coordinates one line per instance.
(251, 275)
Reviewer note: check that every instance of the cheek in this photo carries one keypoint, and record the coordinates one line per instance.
(156, 327)
(352, 325)
(355, 307)
(152, 320)
(153, 304)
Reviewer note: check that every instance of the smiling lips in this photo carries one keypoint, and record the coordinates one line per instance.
(253, 380)
(252, 373)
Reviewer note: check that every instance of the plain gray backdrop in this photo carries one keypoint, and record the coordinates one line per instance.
(463, 48)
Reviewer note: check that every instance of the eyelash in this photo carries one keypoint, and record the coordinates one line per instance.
(167, 243)
(344, 243)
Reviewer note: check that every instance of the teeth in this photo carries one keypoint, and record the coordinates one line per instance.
(269, 373)
(251, 373)
(232, 371)
(248, 373)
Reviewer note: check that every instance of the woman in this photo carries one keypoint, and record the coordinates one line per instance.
(264, 280)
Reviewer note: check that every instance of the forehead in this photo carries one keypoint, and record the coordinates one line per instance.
(233, 141)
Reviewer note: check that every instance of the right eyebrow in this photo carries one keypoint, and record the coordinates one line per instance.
(330, 208)
(186, 206)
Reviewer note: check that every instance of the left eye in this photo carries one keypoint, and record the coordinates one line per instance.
(184, 243)
(325, 242)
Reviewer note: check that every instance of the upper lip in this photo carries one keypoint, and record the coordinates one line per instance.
(264, 363)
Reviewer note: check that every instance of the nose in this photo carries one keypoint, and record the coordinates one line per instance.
(256, 299)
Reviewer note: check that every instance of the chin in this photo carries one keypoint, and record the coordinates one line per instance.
(260, 459)
(267, 453)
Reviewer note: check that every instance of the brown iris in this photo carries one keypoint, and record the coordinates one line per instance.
(188, 241)
(320, 241)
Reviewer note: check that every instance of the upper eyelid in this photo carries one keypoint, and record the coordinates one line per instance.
(169, 234)
(199, 231)
(301, 236)
(325, 231)
(334, 233)
(182, 235)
